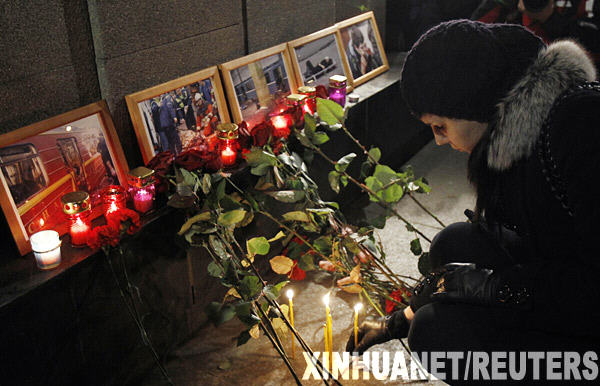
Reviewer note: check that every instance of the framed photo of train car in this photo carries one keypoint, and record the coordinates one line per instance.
(257, 84)
(363, 48)
(179, 114)
(77, 150)
(318, 56)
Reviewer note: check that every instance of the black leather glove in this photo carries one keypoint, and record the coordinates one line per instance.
(423, 291)
(464, 283)
(394, 326)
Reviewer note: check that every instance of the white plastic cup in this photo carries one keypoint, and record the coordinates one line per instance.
(46, 249)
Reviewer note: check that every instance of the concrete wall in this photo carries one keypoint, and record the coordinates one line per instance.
(58, 55)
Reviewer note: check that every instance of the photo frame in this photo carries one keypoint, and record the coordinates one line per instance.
(77, 150)
(257, 84)
(196, 100)
(318, 56)
(366, 59)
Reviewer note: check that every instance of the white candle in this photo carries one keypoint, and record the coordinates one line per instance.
(46, 248)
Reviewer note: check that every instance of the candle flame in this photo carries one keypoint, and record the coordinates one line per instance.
(326, 300)
(112, 207)
(78, 221)
(358, 307)
(290, 294)
(42, 222)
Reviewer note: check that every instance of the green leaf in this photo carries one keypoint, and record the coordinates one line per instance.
(278, 236)
(273, 291)
(296, 216)
(365, 168)
(310, 125)
(215, 270)
(206, 184)
(323, 245)
(303, 138)
(375, 154)
(258, 156)
(220, 192)
(243, 338)
(344, 180)
(329, 111)
(320, 138)
(288, 196)
(385, 174)
(420, 186)
(393, 194)
(415, 247)
(218, 313)
(232, 217)
(334, 181)
(260, 170)
(258, 246)
(306, 262)
(217, 246)
(189, 178)
(424, 264)
(249, 286)
(342, 164)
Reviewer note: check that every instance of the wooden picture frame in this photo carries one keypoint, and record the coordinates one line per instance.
(77, 150)
(272, 70)
(318, 56)
(372, 61)
(204, 107)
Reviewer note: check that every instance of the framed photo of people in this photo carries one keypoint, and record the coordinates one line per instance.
(179, 114)
(318, 56)
(363, 48)
(77, 150)
(257, 84)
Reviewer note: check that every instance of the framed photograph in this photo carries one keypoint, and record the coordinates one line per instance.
(77, 150)
(179, 114)
(363, 48)
(257, 84)
(318, 56)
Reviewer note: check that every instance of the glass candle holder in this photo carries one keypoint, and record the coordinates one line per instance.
(311, 98)
(114, 198)
(228, 135)
(46, 248)
(142, 188)
(76, 205)
(337, 89)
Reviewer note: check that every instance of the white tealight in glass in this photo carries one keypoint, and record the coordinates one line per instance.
(46, 248)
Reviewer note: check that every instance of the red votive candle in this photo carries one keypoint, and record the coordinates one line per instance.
(142, 189)
(114, 198)
(311, 98)
(228, 134)
(76, 205)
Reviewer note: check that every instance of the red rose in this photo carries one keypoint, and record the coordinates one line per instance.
(103, 235)
(296, 273)
(190, 160)
(161, 163)
(400, 295)
(125, 219)
(322, 92)
(261, 134)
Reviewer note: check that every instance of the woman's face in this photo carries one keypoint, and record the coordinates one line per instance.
(462, 135)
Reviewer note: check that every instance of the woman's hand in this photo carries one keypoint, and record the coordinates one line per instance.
(465, 283)
(369, 334)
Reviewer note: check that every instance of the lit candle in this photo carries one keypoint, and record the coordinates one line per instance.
(329, 327)
(46, 248)
(228, 156)
(76, 205)
(143, 200)
(228, 133)
(280, 122)
(290, 295)
(142, 188)
(114, 198)
(357, 308)
(79, 231)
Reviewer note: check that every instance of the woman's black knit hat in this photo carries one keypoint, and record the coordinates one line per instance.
(461, 69)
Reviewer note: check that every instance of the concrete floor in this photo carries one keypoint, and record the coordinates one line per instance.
(211, 357)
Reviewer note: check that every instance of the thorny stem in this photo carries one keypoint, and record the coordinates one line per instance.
(376, 162)
(281, 353)
(372, 303)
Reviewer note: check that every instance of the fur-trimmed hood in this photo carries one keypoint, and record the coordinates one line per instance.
(522, 112)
